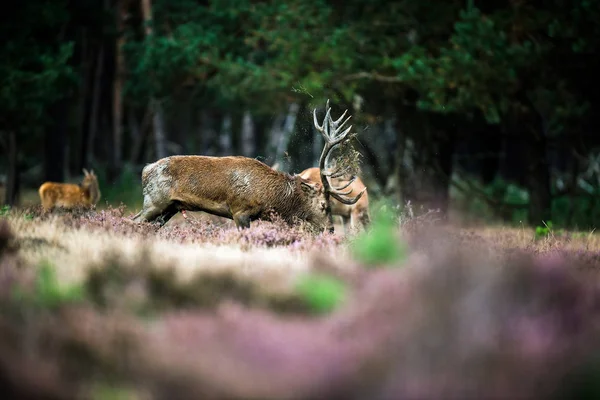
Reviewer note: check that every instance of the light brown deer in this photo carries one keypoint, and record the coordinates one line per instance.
(239, 188)
(353, 215)
(69, 195)
(334, 135)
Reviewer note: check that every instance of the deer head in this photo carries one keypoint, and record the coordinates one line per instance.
(334, 134)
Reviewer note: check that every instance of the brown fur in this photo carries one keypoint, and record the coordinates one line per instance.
(68, 195)
(235, 187)
(353, 215)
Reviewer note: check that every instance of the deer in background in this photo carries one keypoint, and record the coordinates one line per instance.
(334, 136)
(69, 195)
(239, 188)
(353, 215)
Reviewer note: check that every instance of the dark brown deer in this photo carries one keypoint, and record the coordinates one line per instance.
(334, 134)
(239, 188)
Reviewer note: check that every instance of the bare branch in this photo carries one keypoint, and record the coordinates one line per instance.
(373, 76)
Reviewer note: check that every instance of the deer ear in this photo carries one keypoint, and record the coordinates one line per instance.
(307, 186)
(85, 172)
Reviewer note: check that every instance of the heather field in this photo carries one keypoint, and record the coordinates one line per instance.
(97, 307)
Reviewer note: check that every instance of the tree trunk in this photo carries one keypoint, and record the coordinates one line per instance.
(55, 141)
(88, 144)
(286, 133)
(248, 141)
(208, 132)
(225, 136)
(400, 170)
(379, 172)
(83, 114)
(11, 194)
(538, 179)
(118, 87)
(138, 135)
(529, 124)
(490, 163)
(443, 174)
(160, 139)
(261, 138)
(274, 138)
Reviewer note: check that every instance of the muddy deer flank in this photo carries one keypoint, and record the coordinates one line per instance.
(239, 188)
(69, 195)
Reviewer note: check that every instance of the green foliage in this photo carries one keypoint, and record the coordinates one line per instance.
(4, 210)
(111, 392)
(476, 69)
(34, 71)
(579, 212)
(380, 244)
(543, 231)
(47, 292)
(322, 293)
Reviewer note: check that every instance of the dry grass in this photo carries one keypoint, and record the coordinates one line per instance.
(202, 310)
(73, 246)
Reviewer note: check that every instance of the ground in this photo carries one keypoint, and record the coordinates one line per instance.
(95, 306)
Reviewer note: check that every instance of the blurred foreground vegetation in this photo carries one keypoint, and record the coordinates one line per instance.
(94, 306)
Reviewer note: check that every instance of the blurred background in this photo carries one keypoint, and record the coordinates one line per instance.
(486, 111)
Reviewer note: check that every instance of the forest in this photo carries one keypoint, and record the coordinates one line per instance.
(484, 108)
(472, 271)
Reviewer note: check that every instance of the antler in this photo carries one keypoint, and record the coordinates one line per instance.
(334, 134)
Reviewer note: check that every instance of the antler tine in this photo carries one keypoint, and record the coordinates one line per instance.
(335, 135)
(340, 172)
(328, 161)
(327, 132)
(346, 200)
(342, 193)
(337, 121)
(338, 128)
(320, 128)
(345, 185)
(342, 136)
(325, 128)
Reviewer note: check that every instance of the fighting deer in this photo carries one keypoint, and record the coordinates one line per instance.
(334, 135)
(69, 195)
(239, 188)
(353, 215)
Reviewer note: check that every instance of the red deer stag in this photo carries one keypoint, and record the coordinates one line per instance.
(353, 215)
(69, 195)
(335, 136)
(239, 188)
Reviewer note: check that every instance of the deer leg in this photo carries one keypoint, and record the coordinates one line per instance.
(346, 221)
(242, 220)
(167, 214)
(149, 212)
(365, 219)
